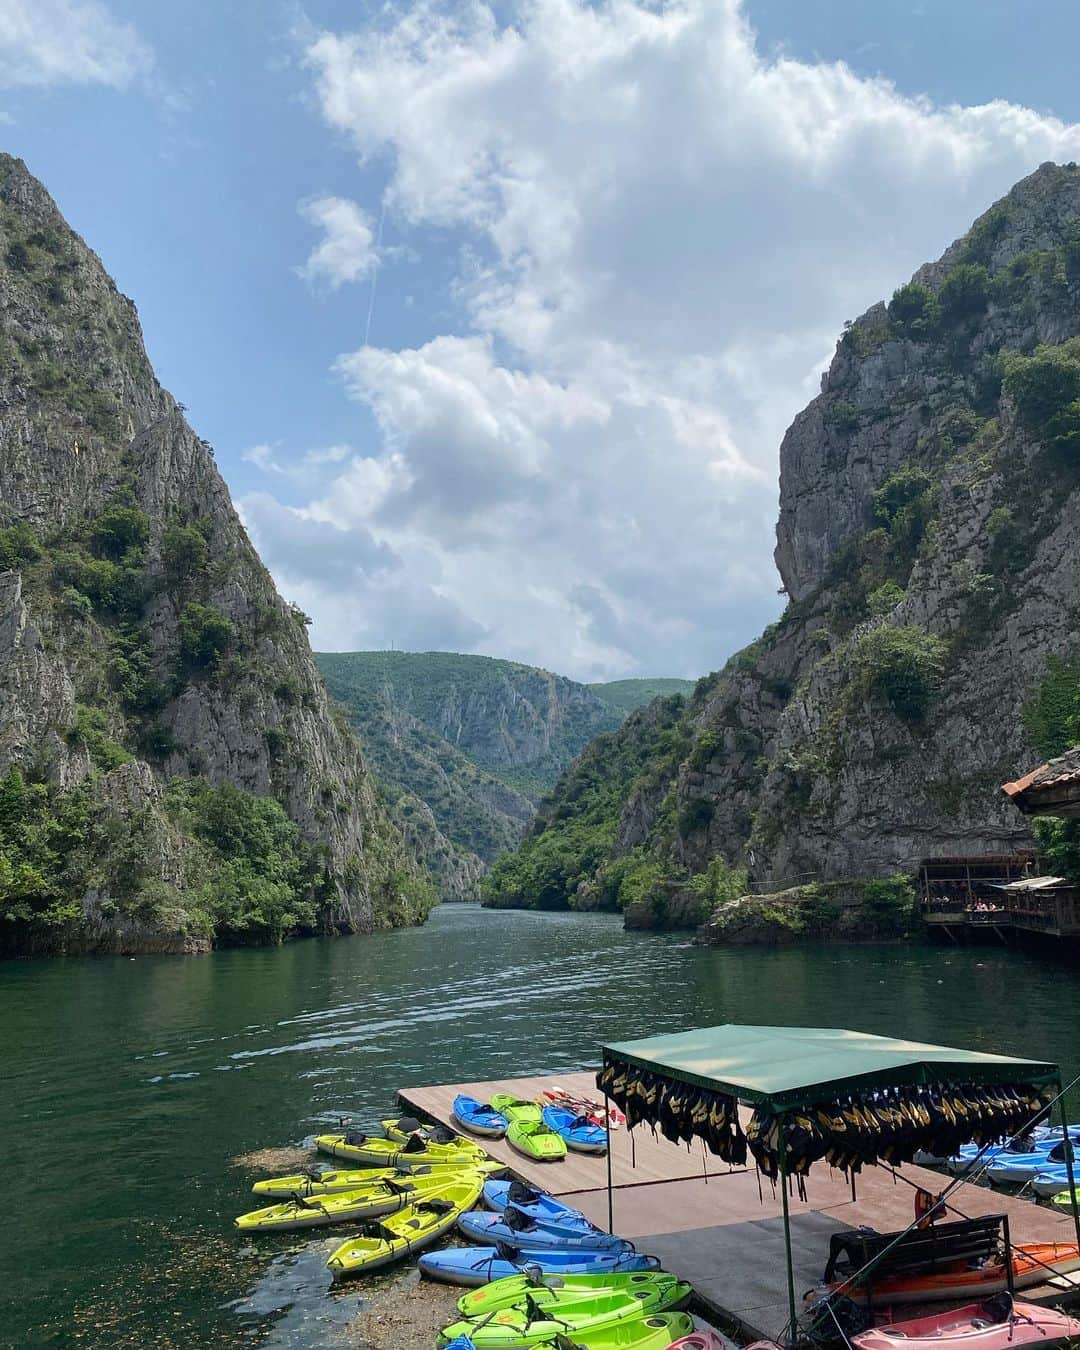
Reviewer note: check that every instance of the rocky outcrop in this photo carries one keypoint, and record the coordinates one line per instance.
(135, 595)
(929, 543)
(830, 912)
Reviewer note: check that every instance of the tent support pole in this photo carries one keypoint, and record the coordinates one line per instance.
(782, 1149)
(1066, 1143)
(607, 1152)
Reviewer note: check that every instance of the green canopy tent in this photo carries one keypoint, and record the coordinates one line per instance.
(778, 1070)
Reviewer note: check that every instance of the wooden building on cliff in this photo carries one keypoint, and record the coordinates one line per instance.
(1047, 904)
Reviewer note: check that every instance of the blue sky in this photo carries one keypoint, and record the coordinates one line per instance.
(617, 244)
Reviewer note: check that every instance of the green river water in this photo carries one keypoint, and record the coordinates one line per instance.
(129, 1086)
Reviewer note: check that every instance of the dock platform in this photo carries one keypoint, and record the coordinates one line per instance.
(722, 1229)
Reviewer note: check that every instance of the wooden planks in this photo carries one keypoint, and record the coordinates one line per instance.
(724, 1234)
(637, 1161)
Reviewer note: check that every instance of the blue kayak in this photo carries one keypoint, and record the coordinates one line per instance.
(1010, 1167)
(1047, 1132)
(479, 1265)
(518, 1230)
(461, 1343)
(538, 1205)
(579, 1132)
(971, 1155)
(1051, 1180)
(478, 1117)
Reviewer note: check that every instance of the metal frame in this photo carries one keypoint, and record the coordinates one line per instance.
(1066, 1143)
(780, 1104)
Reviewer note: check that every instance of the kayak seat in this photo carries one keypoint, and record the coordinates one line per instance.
(998, 1308)
(535, 1312)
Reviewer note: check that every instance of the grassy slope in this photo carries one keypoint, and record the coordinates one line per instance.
(626, 695)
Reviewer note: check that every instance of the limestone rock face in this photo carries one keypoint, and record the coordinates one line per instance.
(929, 543)
(876, 410)
(84, 425)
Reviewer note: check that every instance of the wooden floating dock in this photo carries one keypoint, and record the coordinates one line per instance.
(720, 1229)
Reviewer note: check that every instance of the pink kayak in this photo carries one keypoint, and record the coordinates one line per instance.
(700, 1340)
(992, 1325)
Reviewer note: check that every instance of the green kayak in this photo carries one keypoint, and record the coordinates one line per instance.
(548, 1290)
(656, 1332)
(532, 1319)
(526, 1130)
(1064, 1198)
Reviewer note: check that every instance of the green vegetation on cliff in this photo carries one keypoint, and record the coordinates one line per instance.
(625, 696)
(1052, 719)
(252, 876)
(574, 837)
(929, 543)
(172, 772)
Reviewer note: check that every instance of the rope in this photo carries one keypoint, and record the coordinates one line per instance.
(971, 1175)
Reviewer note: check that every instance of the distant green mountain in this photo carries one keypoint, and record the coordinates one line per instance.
(465, 746)
(624, 696)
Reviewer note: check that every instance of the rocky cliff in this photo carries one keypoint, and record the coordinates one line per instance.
(173, 771)
(464, 745)
(929, 543)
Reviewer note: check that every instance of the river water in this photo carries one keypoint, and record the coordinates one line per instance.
(129, 1086)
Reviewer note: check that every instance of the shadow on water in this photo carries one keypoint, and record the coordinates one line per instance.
(131, 1085)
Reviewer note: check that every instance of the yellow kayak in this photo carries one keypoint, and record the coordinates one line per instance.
(409, 1230)
(402, 1128)
(374, 1152)
(333, 1182)
(380, 1197)
(316, 1182)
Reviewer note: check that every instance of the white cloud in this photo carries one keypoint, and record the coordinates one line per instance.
(46, 42)
(660, 232)
(347, 250)
(268, 458)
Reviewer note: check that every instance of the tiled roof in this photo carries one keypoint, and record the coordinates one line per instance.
(1059, 772)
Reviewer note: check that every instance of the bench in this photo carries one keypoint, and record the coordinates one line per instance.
(938, 1245)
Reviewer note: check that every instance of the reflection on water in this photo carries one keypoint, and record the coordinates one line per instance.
(131, 1084)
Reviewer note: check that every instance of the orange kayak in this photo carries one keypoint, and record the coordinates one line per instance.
(1032, 1263)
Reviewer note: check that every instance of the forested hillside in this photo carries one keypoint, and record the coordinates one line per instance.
(465, 745)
